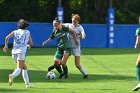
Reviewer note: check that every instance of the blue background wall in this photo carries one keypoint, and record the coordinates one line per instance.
(96, 35)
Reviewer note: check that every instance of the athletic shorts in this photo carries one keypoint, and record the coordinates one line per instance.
(59, 53)
(19, 56)
(76, 51)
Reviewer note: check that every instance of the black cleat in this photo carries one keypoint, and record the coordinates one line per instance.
(66, 77)
(61, 75)
(137, 88)
(85, 77)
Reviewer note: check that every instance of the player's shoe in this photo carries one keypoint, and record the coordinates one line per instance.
(85, 77)
(29, 85)
(66, 77)
(136, 88)
(10, 80)
(61, 75)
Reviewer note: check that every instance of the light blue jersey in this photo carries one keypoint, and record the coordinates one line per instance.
(79, 32)
(21, 39)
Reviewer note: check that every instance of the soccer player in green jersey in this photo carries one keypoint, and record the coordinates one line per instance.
(138, 59)
(63, 52)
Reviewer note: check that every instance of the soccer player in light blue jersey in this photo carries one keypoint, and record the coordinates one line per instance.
(80, 33)
(22, 41)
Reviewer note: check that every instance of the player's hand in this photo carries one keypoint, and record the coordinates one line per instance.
(83, 36)
(5, 49)
(28, 46)
(43, 43)
(77, 43)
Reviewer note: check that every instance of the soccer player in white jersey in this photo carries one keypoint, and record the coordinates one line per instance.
(76, 51)
(22, 41)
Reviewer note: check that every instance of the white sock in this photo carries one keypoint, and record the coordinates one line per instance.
(16, 72)
(82, 70)
(25, 76)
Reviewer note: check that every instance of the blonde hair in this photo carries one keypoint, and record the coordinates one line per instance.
(76, 16)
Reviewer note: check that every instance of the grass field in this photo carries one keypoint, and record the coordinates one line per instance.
(109, 70)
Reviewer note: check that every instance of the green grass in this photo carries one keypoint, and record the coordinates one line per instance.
(109, 70)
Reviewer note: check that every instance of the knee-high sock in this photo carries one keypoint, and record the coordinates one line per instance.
(138, 73)
(82, 70)
(16, 72)
(58, 68)
(25, 76)
(65, 69)
(51, 68)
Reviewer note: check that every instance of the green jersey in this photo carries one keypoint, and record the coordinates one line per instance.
(138, 32)
(62, 37)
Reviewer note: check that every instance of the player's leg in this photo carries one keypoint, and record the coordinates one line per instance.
(77, 52)
(137, 74)
(16, 72)
(26, 77)
(56, 64)
(57, 59)
(22, 65)
(65, 57)
(78, 65)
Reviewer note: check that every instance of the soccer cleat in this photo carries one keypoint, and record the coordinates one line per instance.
(66, 77)
(61, 75)
(85, 77)
(29, 85)
(136, 87)
(10, 80)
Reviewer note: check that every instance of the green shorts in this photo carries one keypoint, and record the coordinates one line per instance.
(59, 53)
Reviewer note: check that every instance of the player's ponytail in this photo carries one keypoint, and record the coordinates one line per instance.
(56, 21)
(22, 24)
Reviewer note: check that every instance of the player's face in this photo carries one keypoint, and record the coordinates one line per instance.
(74, 21)
(56, 26)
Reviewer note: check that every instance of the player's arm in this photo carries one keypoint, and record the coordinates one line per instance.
(30, 42)
(74, 36)
(83, 35)
(137, 41)
(45, 42)
(7, 40)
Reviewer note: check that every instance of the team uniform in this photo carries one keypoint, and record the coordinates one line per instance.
(138, 32)
(63, 42)
(21, 39)
(76, 51)
(137, 67)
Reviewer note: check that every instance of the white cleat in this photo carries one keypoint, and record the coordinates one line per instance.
(29, 85)
(136, 88)
(10, 80)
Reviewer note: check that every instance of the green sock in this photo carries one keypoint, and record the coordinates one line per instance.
(51, 68)
(138, 73)
(58, 68)
(65, 69)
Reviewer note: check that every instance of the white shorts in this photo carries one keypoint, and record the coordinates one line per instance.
(76, 51)
(19, 56)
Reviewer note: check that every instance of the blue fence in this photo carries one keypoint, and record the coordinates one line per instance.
(96, 35)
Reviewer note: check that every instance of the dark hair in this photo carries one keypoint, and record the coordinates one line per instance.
(56, 21)
(22, 24)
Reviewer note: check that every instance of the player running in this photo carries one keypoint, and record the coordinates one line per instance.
(80, 33)
(20, 44)
(60, 32)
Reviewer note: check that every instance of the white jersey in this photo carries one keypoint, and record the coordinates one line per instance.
(79, 32)
(21, 39)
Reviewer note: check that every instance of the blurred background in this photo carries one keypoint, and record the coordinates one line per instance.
(107, 23)
(91, 11)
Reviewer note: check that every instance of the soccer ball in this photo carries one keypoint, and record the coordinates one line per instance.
(50, 75)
